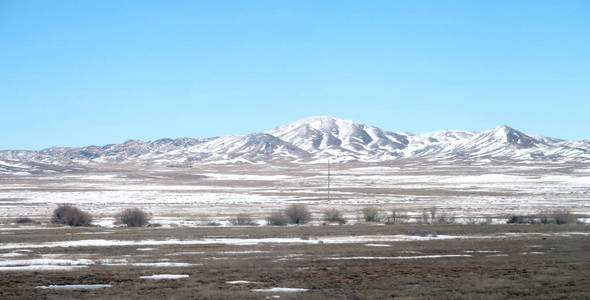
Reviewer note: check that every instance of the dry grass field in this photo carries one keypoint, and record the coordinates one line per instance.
(407, 261)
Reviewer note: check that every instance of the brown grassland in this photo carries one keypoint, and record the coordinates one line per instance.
(539, 264)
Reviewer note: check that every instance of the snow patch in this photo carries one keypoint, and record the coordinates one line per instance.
(165, 276)
(396, 257)
(281, 290)
(75, 286)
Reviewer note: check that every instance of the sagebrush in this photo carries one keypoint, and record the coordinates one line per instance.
(70, 215)
(298, 214)
(334, 215)
(132, 217)
(242, 220)
(277, 219)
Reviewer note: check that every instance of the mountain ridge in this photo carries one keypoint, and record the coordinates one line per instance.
(311, 140)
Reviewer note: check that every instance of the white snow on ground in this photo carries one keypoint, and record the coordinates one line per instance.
(377, 245)
(218, 176)
(164, 276)
(145, 249)
(11, 254)
(239, 282)
(245, 252)
(234, 241)
(252, 241)
(39, 268)
(280, 290)
(396, 257)
(156, 264)
(28, 228)
(46, 261)
(43, 264)
(75, 286)
(185, 253)
(98, 177)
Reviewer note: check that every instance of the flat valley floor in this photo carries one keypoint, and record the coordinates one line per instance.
(406, 261)
(211, 193)
(195, 253)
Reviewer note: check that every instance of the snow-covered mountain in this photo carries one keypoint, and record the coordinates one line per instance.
(311, 140)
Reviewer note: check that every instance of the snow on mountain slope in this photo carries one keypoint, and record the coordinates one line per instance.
(12, 167)
(343, 139)
(251, 147)
(312, 140)
(506, 142)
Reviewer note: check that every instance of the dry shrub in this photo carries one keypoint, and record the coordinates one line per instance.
(430, 216)
(132, 217)
(277, 219)
(370, 214)
(397, 217)
(478, 220)
(242, 220)
(25, 220)
(522, 219)
(558, 217)
(334, 215)
(298, 214)
(445, 218)
(564, 217)
(70, 215)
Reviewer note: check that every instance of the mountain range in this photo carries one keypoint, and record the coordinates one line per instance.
(312, 140)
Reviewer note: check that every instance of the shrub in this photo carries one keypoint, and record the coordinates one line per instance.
(24, 220)
(445, 218)
(242, 219)
(425, 218)
(521, 219)
(334, 215)
(396, 217)
(430, 216)
(70, 215)
(564, 217)
(370, 214)
(432, 212)
(558, 217)
(132, 217)
(478, 221)
(277, 219)
(298, 214)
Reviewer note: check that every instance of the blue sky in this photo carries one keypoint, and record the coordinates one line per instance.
(75, 73)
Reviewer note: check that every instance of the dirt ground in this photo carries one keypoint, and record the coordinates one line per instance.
(479, 262)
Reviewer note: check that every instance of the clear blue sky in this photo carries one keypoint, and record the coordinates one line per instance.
(75, 73)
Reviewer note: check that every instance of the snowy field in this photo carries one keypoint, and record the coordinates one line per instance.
(201, 195)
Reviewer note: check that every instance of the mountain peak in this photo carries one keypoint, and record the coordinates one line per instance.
(509, 135)
(319, 122)
(503, 128)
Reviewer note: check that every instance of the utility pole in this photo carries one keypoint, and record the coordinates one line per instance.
(328, 179)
